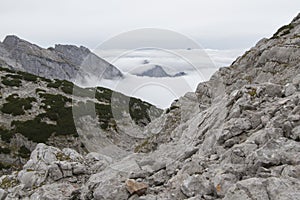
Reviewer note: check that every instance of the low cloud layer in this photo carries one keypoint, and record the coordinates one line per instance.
(198, 65)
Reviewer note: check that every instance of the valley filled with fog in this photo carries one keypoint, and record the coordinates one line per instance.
(161, 87)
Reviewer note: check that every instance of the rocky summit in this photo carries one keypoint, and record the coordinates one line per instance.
(64, 62)
(236, 137)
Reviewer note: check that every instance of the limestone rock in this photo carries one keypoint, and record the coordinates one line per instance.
(3, 194)
(135, 187)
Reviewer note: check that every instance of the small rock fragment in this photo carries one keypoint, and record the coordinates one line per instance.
(135, 187)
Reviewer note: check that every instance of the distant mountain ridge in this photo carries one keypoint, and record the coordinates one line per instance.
(64, 62)
(156, 71)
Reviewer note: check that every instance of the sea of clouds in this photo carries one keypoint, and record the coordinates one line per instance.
(198, 65)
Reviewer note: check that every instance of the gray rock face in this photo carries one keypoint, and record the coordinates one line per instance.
(236, 137)
(3, 194)
(65, 62)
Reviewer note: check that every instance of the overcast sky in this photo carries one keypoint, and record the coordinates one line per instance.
(215, 24)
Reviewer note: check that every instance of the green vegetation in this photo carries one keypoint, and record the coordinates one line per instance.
(67, 87)
(24, 152)
(10, 81)
(62, 157)
(3, 69)
(14, 79)
(54, 84)
(286, 29)
(13, 76)
(16, 105)
(138, 111)
(28, 77)
(45, 79)
(103, 94)
(105, 116)
(4, 150)
(5, 134)
(39, 131)
(8, 182)
(60, 113)
(57, 111)
(252, 92)
(104, 113)
(37, 90)
(35, 130)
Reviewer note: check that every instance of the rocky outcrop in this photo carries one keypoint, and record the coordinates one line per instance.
(65, 62)
(236, 137)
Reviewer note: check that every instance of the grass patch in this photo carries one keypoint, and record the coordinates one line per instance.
(10, 81)
(56, 110)
(138, 110)
(16, 105)
(67, 87)
(103, 95)
(45, 79)
(28, 77)
(5, 134)
(35, 130)
(54, 84)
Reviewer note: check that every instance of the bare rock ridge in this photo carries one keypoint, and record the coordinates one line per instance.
(65, 62)
(237, 137)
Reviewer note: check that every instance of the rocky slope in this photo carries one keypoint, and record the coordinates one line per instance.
(237, 137)
(35, 109)
(65, 62)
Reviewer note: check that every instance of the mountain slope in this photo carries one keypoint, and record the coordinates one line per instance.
(65, 62)
(35, 109)
(237, 137)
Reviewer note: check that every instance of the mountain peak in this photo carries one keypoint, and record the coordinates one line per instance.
(11, 40)
(61, 62)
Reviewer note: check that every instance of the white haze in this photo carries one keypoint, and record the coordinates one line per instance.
(199, 65)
